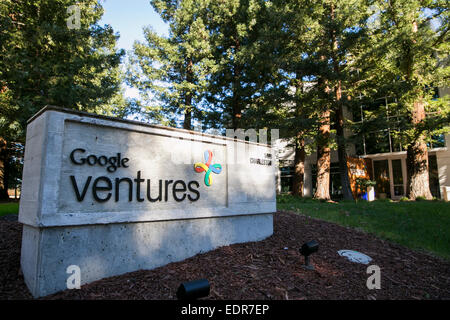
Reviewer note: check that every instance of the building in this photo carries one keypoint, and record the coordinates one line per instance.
(382, 156)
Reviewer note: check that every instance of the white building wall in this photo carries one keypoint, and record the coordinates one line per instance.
(443, 162)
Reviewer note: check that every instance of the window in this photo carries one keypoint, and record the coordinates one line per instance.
(379, 137)
(397, 176)
(286, 177)
(438, 142)
(381, 173)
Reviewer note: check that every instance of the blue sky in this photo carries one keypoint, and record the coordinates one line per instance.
(128, 17)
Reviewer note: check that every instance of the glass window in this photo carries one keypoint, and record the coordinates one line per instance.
(377, 142)
(379, 136)
(397, 176)
(397, 171)
(438, 141)
(381, 173)
(359, 142)
(286, 177)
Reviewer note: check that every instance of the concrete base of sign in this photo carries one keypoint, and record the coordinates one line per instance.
(112, 196)
(112, 249)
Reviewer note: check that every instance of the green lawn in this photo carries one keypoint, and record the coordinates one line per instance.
(423, 225)
(9, 208)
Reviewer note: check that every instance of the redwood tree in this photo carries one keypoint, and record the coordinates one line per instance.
(406, 60)
(323, 158)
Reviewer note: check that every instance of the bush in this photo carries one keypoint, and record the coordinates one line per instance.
(404, 199)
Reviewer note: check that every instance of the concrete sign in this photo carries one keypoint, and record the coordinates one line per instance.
(113, 196)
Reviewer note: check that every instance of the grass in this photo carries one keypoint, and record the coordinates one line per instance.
(9, 208)
(419, 225)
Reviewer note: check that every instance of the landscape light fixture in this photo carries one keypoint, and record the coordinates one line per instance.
(193, 290)
(306, 250)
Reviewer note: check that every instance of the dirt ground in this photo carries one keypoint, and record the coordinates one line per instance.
(269, 269)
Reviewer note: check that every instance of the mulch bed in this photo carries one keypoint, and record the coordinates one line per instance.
(262, 270)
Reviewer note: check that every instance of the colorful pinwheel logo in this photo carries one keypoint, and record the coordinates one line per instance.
(207, 167)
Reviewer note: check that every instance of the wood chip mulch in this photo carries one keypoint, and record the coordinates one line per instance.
(269, 269)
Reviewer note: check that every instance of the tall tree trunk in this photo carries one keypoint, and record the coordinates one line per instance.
(4, 170)
(418, 184)
(342, 152)
(323, 158)
(237, 113)
(299, 166)
(236, 105)
(323, 147)
(236, 102)
(187, 124)
(298, 180)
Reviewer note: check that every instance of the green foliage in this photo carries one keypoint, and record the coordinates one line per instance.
(46, 63)
(288, 64)
(364, 183)
(236, 85)
(212, 64)
(43, 62)
(171, 73)
(406, 58)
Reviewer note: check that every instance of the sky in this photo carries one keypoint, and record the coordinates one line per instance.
(128, 17)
